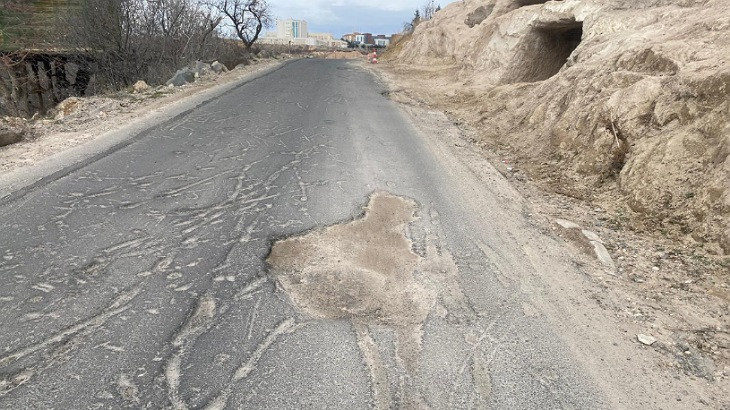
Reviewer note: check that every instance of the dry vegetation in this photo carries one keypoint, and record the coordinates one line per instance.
(54, 50)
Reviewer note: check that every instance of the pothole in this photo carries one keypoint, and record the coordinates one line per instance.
(363, 270)
(389, 269)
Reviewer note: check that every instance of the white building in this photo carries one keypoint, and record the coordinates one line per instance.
(382, 42)
(291, 29)
(295, 33)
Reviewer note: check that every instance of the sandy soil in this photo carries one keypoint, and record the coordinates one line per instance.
(658, 287)
(80, 120)
(622, 103)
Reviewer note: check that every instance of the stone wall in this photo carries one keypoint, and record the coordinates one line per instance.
(34, 82)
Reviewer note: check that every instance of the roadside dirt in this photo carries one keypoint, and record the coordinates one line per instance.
(339, 55)
(79, 120)
(659, 287)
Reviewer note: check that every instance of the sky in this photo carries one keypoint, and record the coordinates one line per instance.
(345, 16)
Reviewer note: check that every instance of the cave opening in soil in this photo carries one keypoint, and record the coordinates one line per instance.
(547, 50)
(523, 3)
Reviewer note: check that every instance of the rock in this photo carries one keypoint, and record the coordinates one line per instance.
(66, 107)
(11, 132)
(604, 257)
(182, 77)
(201, 69)
(140, 87)
(477, 16)
(638, 279)
(567, 224)
(646, 340)
(218, 67)
(591, 236)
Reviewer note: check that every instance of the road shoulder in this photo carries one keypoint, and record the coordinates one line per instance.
(599, 311)
(60, 150)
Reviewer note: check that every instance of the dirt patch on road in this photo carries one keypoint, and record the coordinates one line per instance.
(373, 272)
(362, 270)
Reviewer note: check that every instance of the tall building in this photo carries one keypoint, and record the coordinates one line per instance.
(291, 29)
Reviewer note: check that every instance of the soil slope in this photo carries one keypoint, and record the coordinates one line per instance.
(623, 103)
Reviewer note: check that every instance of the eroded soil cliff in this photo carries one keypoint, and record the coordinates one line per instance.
(625, 104)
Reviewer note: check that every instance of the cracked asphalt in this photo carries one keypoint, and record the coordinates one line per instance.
(141, 279)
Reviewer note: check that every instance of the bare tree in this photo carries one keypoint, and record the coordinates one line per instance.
(246, 17)
(109, 44)
(428, 10)
(133, 39)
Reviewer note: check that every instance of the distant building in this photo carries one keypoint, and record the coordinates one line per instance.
(381, 41)
(296, 33)
(322, 36)
(350, 38)
(367, 39)
(291, 29)
(364, 38)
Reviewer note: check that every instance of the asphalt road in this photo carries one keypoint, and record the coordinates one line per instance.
(141, 279)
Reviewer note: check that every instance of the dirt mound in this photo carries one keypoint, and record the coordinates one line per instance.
(623, 103)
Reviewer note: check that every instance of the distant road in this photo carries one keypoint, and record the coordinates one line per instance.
(141, 280)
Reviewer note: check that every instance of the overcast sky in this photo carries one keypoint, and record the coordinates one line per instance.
(344, 16)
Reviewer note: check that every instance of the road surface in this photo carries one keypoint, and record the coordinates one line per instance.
(294, 243)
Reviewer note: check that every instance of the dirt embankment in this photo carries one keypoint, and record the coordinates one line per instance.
(625, 104)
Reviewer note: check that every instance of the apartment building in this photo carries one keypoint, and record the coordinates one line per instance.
(296, 33)
(291, 29)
